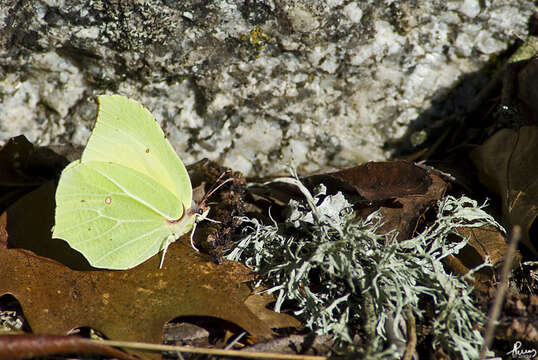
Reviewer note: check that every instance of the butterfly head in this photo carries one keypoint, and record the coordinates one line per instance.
(199, 211)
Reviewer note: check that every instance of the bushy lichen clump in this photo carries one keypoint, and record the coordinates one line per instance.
(342, 274)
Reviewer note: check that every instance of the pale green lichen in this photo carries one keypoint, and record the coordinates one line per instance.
(342, 275)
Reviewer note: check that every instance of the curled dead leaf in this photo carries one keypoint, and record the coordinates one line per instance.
(507, 164)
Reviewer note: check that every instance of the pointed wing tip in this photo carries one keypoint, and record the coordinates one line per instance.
(115, 101)
(105, 100)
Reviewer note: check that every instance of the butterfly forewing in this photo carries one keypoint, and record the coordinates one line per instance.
(128, 135)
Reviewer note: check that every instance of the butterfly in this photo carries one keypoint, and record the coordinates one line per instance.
(129, 196)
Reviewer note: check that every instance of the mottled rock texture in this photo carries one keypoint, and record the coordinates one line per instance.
(253, 84)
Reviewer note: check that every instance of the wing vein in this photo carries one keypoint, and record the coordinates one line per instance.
(133, 196)
(125, 244)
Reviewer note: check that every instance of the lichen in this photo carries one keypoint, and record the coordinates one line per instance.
(342, 274)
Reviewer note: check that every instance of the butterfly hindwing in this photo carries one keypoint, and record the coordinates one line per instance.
(115, 216)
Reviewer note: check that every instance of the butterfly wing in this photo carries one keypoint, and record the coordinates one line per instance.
(127, 134)
(115, 216)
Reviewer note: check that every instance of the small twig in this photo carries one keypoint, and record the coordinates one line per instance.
(370, 320)
(411, 334)
(495, 310)
(195, 350)
(25, 346)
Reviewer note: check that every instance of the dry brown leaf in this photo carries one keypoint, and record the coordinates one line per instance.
(258, 304)
(129, 305)
(508, 165)
(403, 190)
(483, 241)
(385, 180)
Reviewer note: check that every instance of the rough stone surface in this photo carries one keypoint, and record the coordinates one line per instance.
(253, 84)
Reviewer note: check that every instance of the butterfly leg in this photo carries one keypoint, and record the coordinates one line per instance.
(166, 243)
(192, 237)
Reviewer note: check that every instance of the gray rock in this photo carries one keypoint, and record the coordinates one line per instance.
(253, 84)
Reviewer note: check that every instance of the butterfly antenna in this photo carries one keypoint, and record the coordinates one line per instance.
(202, 204)
(215, 188)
